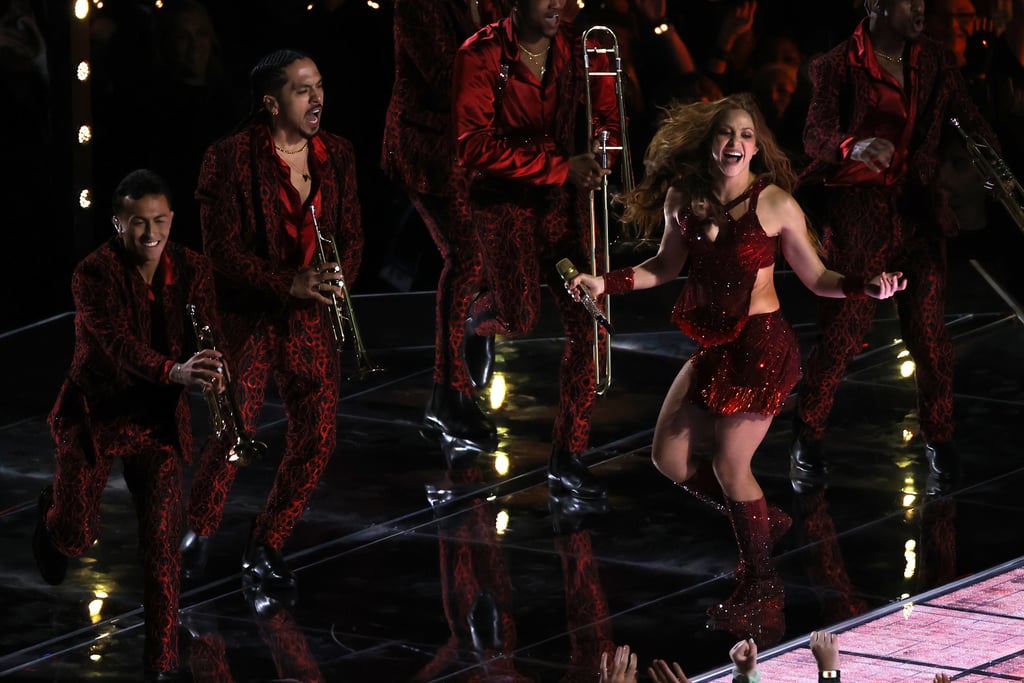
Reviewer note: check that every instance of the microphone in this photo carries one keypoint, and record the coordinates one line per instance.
(568, 271)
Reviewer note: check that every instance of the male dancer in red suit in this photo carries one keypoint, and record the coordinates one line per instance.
(881, 101)
(419, 154)
(257, 190)
(519, 87)
(124, 399)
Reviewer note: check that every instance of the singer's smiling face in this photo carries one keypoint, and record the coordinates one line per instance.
(734, 143)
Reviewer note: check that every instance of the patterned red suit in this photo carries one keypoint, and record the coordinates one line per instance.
(514, 138)
(117, 403)
(895, 221)
(419, 154)
(267, 330)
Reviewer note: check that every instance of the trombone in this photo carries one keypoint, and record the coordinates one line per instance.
(995, 173)
(225, 417)
(601, 40)
(341, 312)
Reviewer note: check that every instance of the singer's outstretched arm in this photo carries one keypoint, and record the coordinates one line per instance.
(660, 268)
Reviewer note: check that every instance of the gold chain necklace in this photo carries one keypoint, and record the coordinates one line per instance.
(890, 58)
(535, 55)
(279, 148)
(539, 59)
(304, 173)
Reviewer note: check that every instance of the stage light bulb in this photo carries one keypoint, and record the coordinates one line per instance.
(501, 463)
(497, 393)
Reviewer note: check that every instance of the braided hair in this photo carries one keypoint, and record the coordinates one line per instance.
(268, 77)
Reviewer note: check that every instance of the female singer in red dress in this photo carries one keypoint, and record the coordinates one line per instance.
(717, 175)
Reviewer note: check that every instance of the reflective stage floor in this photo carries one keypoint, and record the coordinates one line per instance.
(499, 581)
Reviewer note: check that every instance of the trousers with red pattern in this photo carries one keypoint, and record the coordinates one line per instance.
(474, 573)
(873, 230)
(305, 366)
(153, 474)
(285, 639)
(586, 607)
(523, 233)
(460, 281)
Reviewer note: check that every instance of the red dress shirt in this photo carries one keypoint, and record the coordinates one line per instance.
(891, 111)
(513, 128)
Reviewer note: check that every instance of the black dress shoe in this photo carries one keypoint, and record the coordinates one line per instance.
(943, 461)
(265, 605)
(485, 630)
(263, 564)
(478, 354)
(570, 514)
(567, 473)
(195, 551)
(806, 460)
(458, 416)
(52, 563)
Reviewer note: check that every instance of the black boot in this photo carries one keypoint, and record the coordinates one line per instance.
(195, 552)
(456, 414)
(262, 563)
(478, 350)
(485, 630)
(571, 514)
(52, 564)
(567, 471)
(943, 461)
(806, 463)
(266, 605)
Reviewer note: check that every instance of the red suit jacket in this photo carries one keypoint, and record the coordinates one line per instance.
(116, 397)
(243, 226)
(418, 145)
(845, 92)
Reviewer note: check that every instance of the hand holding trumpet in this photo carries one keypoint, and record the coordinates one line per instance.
(319, 282)
(204, 370)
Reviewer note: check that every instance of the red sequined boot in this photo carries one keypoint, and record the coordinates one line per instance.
(755, 608)
(704, 486)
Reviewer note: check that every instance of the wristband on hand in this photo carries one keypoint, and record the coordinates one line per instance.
(618, 281)
(752, 677)
(829, 675)
(853, 287)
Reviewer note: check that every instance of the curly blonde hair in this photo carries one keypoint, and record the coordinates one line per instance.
(679, 156)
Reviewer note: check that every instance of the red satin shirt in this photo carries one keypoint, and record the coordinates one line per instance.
(507, 129)
(299, 237)
(890, 113)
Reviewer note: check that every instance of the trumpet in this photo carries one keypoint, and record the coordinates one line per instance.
(996, 174)
(608, 45)
(224, 413)
(341, 313)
